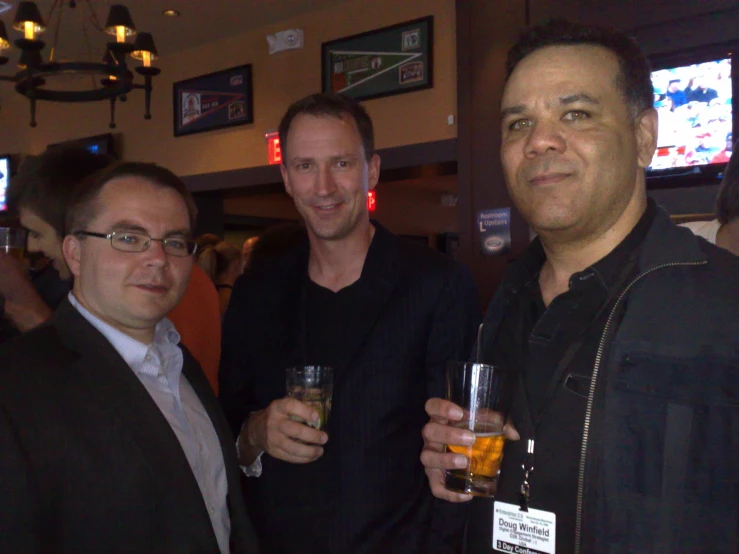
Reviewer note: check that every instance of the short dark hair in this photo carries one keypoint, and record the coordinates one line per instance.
(330, 104)
(635, 77)
(46, 183)
(83, 207)
(727, 200)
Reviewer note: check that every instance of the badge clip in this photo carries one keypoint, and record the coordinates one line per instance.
(528, 467)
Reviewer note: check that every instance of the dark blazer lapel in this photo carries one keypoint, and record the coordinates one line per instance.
(133, 415)
(379, 278)
(243, 537)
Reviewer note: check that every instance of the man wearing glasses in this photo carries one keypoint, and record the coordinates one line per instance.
(111, 439)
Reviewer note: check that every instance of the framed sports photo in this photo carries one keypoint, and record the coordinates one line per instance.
(213, 101)
(387, 61)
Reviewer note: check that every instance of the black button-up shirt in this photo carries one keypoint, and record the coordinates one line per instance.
(553, 348)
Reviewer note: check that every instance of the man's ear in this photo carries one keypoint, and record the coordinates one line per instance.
(645, 127)
(373, 171)
(286, 180)
(72, 250)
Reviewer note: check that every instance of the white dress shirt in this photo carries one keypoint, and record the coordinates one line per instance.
(159, 368)
(706, 229)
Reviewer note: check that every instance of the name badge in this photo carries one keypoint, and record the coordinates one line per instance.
(532, 532)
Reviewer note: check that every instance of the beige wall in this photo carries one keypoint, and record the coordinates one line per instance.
(278, 80)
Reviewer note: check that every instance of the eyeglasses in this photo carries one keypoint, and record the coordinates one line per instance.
(128, 241)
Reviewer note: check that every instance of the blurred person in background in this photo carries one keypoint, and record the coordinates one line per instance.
(273, 243)
(725, 154)
(701, 91)
(676, 94)
(724, 230)
(246, 249)
(223, 263)
(40, 194)
(207, 239)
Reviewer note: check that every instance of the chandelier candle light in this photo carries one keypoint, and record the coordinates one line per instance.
(117, 80)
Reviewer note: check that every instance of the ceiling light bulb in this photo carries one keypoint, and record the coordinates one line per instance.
(171, 13)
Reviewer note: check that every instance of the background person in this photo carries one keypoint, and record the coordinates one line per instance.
(247, 248)
(223, 263)
(724, 230)
(39, 193)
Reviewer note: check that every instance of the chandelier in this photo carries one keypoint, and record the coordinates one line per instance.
(35, 76)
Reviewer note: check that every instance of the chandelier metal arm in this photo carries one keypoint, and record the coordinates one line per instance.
(117, 80)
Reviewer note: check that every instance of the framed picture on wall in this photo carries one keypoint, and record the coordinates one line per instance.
(213, 101)
(383, 62)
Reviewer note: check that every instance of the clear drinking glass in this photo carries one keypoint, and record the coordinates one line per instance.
(313, 385)
(484, 393)
(13, 241)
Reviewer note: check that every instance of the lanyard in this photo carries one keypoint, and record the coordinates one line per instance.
(531, 425)
(530, 422)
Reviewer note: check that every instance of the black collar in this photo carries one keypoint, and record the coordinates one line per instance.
(607, 270)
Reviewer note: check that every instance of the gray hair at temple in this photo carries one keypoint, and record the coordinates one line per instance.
(727, 200)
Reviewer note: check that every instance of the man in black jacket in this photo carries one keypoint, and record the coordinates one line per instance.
(622, 328)
(385, 313)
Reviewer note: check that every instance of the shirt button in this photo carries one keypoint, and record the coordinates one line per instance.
(148, 358)
(212, 511)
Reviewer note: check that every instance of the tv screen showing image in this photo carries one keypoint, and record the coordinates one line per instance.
(694, 103)
(4, 179)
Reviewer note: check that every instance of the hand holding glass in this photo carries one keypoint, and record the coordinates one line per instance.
(484, 394)
(312, 385)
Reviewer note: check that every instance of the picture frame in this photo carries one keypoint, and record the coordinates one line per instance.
(214, 101)
(382, 62)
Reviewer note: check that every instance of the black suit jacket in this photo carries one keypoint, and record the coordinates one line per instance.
(88, 463)
(368, 493)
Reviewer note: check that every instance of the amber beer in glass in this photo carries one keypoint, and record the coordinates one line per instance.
(13, 241)
(484, 393)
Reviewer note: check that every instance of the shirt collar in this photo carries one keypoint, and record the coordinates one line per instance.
(132, 351)
(607, 269)
(610, 267)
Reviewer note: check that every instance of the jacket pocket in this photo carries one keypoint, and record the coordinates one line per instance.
(670, 471)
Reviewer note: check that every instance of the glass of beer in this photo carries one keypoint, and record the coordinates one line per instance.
(484, 393)
(13, 241)
(312, 385)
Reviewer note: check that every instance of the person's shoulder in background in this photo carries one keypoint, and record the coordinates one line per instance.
(197, 319)
(705, 229)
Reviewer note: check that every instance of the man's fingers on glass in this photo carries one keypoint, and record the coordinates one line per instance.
(438, 408)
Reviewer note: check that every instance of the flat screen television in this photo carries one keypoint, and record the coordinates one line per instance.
(693, 95)
(98, 144)
(5, 168)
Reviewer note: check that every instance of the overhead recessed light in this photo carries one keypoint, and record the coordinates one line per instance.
(171, 13)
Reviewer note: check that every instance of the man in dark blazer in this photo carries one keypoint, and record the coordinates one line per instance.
(111, 439)
(385, 313)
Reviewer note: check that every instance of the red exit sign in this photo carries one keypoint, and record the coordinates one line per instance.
(372, 201)
(274, 154)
